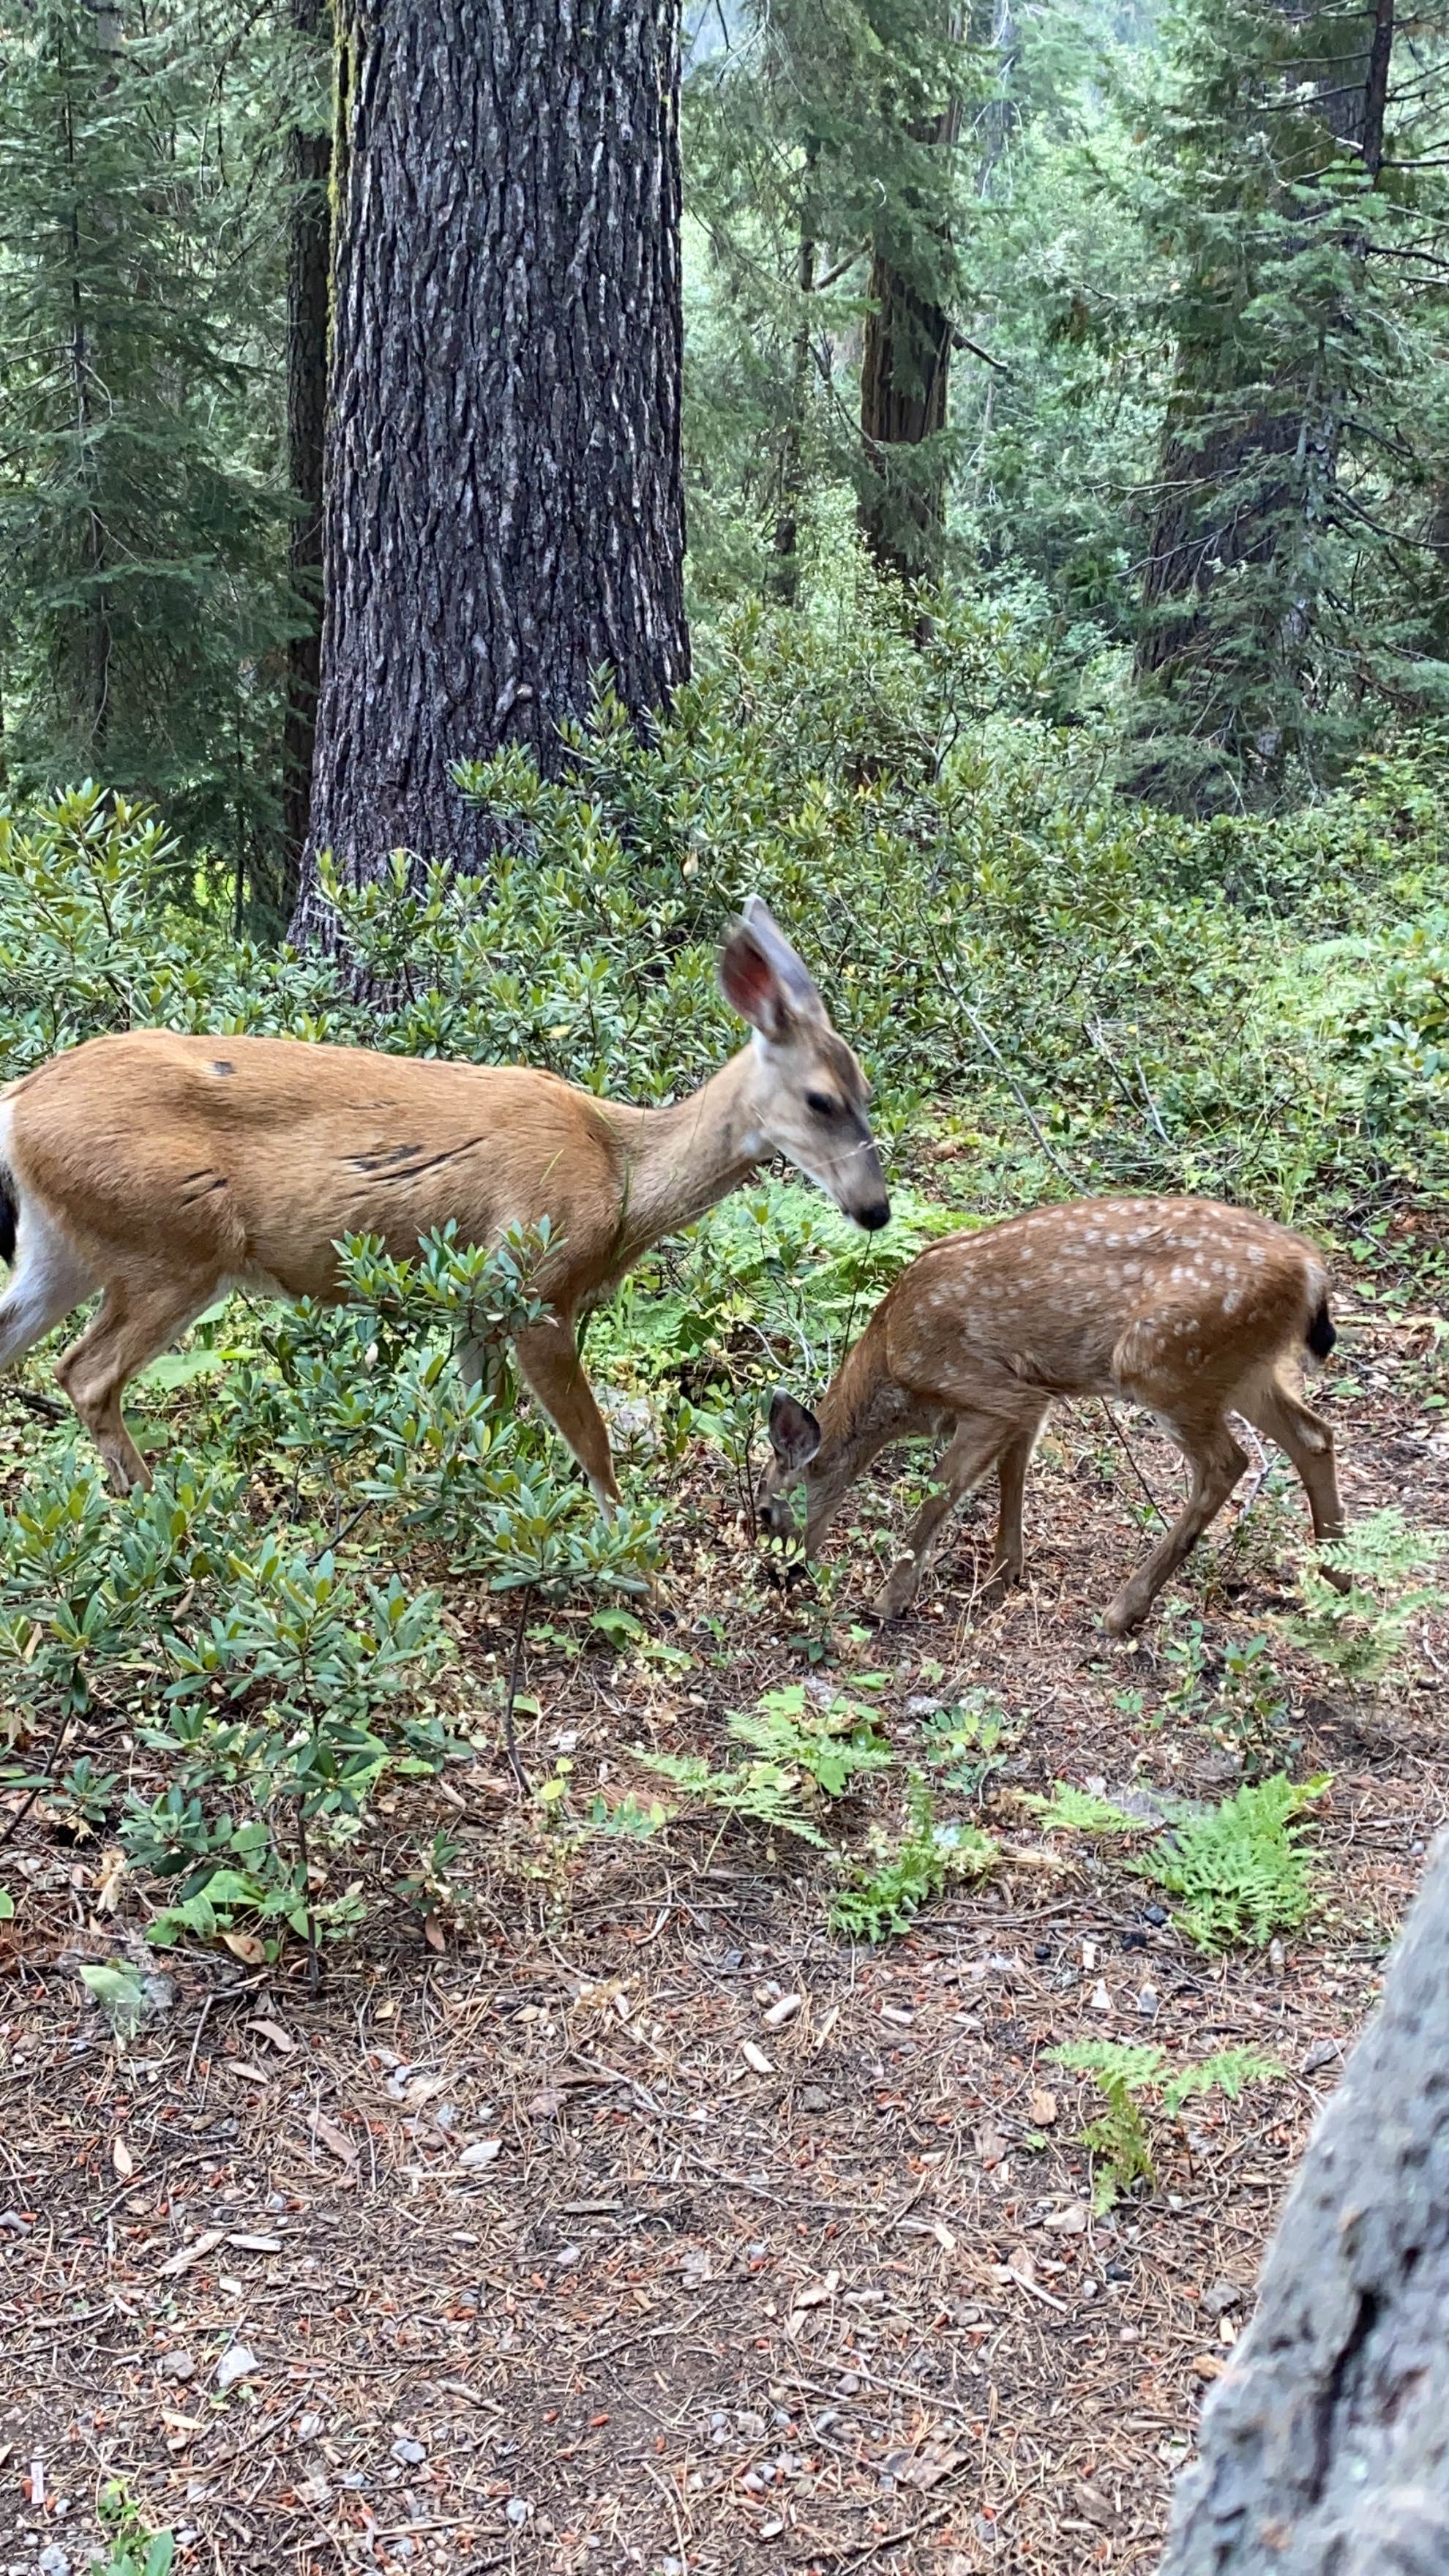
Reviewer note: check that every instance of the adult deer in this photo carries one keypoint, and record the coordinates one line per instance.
(1187, 1307)
(163, 1169)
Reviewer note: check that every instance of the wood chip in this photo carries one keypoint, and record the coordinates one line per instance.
(122, 2159)
(756, 2058)
(200, 2246)
(281, 2040)
(327, 2134)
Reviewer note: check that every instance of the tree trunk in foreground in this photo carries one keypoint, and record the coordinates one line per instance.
(1325, 2449)
(504, 506)
(309, 165)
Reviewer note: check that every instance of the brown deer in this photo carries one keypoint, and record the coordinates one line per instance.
(164, 1169)
(1184, 1306)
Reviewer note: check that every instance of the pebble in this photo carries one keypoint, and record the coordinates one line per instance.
(410, 2453)
(177, 2365)
(517, 2511)
(237, 2362)
(53, 2560)
(1147, 2002)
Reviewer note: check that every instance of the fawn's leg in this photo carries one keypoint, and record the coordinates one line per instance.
(134, 1323)
(1011, 1469)
(549, 1363)
(978, 1442)
(1217, 1462)
(1275, 1410)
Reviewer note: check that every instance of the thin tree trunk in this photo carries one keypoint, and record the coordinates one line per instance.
(1324, 2450)
(786, 583)
(309, 166)
(504, 508)
(905, 379)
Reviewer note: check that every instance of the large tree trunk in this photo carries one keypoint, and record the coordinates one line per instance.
(504, 506)
(1243, 462)
(1325, 2449)
(309, 166)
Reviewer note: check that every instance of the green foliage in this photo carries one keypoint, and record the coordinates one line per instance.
(804, 1754)
(883, 1894)
(133, 2547)
(966, 1742)
(1360, 1633)
(120, 1991)
(1119, 2140)
(1076, 1811)
(1240, 1872)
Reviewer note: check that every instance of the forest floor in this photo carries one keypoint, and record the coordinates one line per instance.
(551, 2249)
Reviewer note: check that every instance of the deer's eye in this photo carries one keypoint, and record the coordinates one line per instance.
(820, 1104)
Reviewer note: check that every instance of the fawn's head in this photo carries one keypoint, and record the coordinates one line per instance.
(806, 1095)
(794, 1441)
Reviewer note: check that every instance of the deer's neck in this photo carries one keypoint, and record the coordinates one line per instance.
(682, 1160)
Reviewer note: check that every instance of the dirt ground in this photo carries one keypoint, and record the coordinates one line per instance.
(505, 2254)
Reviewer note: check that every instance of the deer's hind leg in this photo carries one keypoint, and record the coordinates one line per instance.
(979, 1441)
(1217, 1461)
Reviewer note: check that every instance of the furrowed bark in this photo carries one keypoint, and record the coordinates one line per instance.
(309, 166)
(1325, 2449)
(504, 508)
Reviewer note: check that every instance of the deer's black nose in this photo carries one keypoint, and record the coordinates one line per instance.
(874, 1216)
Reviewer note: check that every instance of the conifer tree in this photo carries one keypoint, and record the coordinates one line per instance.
(1289, 493)
(141, 537)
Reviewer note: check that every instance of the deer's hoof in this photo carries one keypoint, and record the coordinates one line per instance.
(897, 1594)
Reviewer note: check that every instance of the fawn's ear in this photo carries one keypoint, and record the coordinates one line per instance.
(794, 1434)
(762, 978)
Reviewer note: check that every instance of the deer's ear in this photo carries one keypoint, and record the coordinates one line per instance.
(762, 978)
(794, 1433)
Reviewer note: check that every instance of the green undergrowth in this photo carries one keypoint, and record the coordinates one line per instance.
(1131, 2074)
(1050, 991)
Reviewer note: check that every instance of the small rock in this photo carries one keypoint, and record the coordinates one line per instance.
(53, 2560)
(176, 2365)
(237, 2362)
(1277, 1957)
(410, 2453)
(483, 2151)
(1042, 2109)
(920, 1705)
(1222, 2296)
(1154, 1914)
(1099, 1998)
(308, 2427)
(517, 2511)
(1321, 2053)
(1147, 2002)
(1068, 2221)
